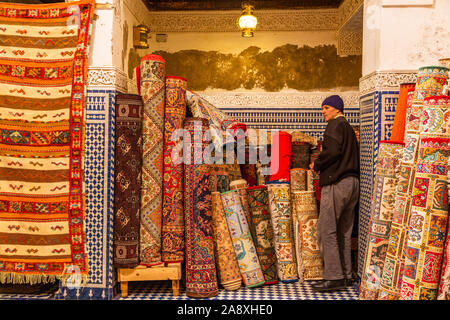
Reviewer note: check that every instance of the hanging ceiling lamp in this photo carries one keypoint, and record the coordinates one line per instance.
(247, 21)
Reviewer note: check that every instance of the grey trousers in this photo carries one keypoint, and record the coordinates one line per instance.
(334, 228)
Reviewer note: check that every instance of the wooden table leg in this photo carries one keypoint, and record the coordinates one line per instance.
(124, 288)
(176, 287)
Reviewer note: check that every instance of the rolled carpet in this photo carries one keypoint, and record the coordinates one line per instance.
(227, 265)
(394, 266)
(281, 154)
(262, 232)
(241, 186)
(248, 169)
(283, 227)
(152, 71)
(172, 234)
(127, 185)
(301, 180)
(201, 279)
(242, 240)
(305, 215)
(424, 250)
(219, 178)
(398, 128)
(301, 154)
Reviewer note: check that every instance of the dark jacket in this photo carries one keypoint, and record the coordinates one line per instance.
(339, 157)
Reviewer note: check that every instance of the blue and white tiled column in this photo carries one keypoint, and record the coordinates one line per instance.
(378, 100)
(103, 86)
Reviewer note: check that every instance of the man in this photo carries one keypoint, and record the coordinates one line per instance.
(338, 168)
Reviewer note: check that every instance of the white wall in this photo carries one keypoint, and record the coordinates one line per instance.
(405, 37)
(101, 41)
(371, 36)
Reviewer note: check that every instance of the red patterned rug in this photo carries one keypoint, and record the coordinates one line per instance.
(201, 278)
(172, 236)
(127, 182)
(398, 128)
(43, 63)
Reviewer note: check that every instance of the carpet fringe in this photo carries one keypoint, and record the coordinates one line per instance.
(32, 279)
(18, 278)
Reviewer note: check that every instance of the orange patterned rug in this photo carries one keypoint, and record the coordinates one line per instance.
(43, 64)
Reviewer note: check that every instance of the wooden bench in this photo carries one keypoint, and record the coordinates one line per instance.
(142, 273)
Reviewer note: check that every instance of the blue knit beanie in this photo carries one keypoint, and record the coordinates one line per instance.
(334, 101)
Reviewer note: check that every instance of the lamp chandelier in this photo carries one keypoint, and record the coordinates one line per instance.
(247, 21)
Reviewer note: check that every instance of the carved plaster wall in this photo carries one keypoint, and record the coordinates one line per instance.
(385, 80)
(107, 77)
(349, 34)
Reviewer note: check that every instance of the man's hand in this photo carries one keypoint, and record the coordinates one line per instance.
(311, 167)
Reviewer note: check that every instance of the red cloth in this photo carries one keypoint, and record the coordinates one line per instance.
(398, 128)
(138, 79)
(280, 160)
(235, 127)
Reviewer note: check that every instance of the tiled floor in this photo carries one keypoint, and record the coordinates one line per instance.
(25, 292)
(162, 290)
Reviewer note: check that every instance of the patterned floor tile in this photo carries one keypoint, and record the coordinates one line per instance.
(161, 290)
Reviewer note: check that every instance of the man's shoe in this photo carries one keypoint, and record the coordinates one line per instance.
(349, 282)
(330, 285)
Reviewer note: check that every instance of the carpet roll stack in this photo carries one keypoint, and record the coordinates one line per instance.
(424, 248)
(429, 83)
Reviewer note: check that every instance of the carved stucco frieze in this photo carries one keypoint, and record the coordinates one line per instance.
(349, 42)
(276, 99)
(225, 21)
(385, 80)
(348, 9)
(349, 34)
(107, 77)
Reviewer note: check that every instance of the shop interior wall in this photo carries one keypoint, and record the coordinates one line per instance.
(303, 65)
(406, 36)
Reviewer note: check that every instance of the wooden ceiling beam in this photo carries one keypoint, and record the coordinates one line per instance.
(173, 5)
